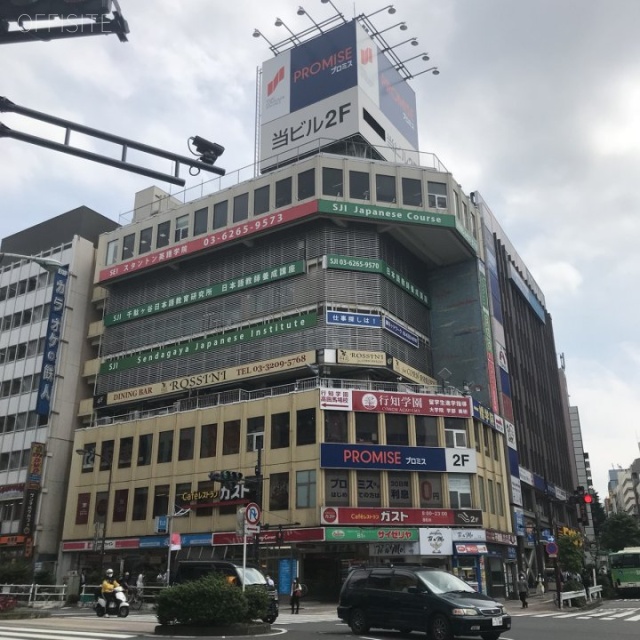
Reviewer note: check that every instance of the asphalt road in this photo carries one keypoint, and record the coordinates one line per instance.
(614, 619)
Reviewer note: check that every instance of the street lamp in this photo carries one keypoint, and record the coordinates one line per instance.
(85, 453)
(46, 263)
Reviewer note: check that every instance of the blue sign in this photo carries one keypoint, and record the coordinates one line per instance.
(162, 524)
(519, 521)
(324, 66)
(52, 342)
(397, 100)
(153, 542)
(196, 539)
(369, 320)
(287, 571)
(400, 332)
(377, 456)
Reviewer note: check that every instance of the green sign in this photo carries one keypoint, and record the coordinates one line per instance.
(387, 214)
(356, 534)
(206, 293)
(375, 265)
(213, 341)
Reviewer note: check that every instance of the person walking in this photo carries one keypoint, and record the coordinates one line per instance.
(296, 592)
(523, 590)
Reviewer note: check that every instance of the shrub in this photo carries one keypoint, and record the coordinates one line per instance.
(574, 585)
(7, 603)
(258, 601)
(15, 572)
(210, 601)
(73, 598)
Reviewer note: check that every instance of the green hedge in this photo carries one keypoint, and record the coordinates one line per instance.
(210, 601)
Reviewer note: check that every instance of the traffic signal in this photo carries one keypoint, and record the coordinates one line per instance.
(226, 478)
(583, 496)
(15, 10)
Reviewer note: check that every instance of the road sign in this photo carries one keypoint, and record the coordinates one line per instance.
(252, 513)
(552, 549)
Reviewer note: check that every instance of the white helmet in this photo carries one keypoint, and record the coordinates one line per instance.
(109, 573)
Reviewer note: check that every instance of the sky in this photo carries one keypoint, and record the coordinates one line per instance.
(537, 107)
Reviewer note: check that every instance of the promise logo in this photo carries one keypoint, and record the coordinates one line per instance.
(277, 79)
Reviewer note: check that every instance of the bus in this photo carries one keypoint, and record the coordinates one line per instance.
(625, 569)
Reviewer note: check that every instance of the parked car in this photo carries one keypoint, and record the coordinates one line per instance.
(415, 598)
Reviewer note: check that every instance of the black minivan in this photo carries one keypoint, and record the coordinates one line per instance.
(412, 598)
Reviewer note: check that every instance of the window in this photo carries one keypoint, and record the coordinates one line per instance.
(402, 582)
(455, 433)
(412, 192)
(120, 501)
(279, 430)
(100, 514)
(162, 239)
(459, 491)
(284, 192)
(220, 214)
(160, 500)
(200, 221)
(144, 244)
(385, 188)
(456, 204)
(496, 445)
(186, 443)
(140, 500)
(183, 495)
(112, 252)
(165, 446)
(106, 455)
(483, 499)
(182, 228)
(126, 453)
(397, 428)
(305, 427)
(486, 436)
(261, 200)
(255, 433)
(336, 488)
(359, 188)
(335, 426)
(128, 244)
(492, 496)
(399, 489)
(145, 444)
(332, 182)
(426, 431)
(206, 488)
(307, 184)
(306, 489)
(241, 207)
(499, 499)
(367, 428)
(279, 491)
(437, 194)
(208, 440)
(369, 488)
(430, 488)
(231, 437)
(476, 434)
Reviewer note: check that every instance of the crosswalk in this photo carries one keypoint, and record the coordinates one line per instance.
(299, 618)
(626, 614)
(8, 632)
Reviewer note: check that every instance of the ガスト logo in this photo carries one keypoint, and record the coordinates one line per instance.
(277, 79)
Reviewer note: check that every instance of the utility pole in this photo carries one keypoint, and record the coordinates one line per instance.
(258, 474)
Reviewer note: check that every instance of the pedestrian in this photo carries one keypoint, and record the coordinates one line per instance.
(270, 583)
(296, 592)
(523, 591)
(140, 583)
(83, 581)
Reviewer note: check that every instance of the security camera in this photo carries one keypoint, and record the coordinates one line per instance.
(210, 151)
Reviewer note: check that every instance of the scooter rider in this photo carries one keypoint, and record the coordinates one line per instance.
(108, 587)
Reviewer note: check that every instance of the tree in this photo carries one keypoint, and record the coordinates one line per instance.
(571, 552)
(598, 514)
(619, 531)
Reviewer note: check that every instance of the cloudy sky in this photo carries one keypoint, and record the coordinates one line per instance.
(537, 107)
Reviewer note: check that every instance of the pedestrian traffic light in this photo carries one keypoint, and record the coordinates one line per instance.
(587, 498)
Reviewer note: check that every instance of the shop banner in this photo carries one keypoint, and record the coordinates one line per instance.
(394, 548)
(376, 516)
(355, 534)
(436, 541)
(470, 549)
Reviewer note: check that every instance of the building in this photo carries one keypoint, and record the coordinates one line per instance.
(45, 313)
(346, 331)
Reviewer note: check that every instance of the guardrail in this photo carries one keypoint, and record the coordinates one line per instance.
(589, 594)
(36, 595)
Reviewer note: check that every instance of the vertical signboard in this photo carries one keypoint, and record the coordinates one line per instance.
(52, 342)
(32, 489)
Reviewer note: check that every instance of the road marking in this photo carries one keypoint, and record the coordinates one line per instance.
(17, 633)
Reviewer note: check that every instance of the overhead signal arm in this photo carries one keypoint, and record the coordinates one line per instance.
(207, 152)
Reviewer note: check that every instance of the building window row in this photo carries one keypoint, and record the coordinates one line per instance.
(26, 285)
(16, 386)
(14, 460)
(24, 317)
(21, 421)
(358, 185)
(22, 350)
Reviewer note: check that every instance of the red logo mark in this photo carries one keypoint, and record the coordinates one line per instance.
(330, 515)
(366, 55)
(277, 79)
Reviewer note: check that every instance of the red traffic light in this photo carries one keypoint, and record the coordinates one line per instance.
(588, 498)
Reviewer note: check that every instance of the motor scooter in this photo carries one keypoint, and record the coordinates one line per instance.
(117, 606)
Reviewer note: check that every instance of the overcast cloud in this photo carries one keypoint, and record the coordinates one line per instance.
(537, 107)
